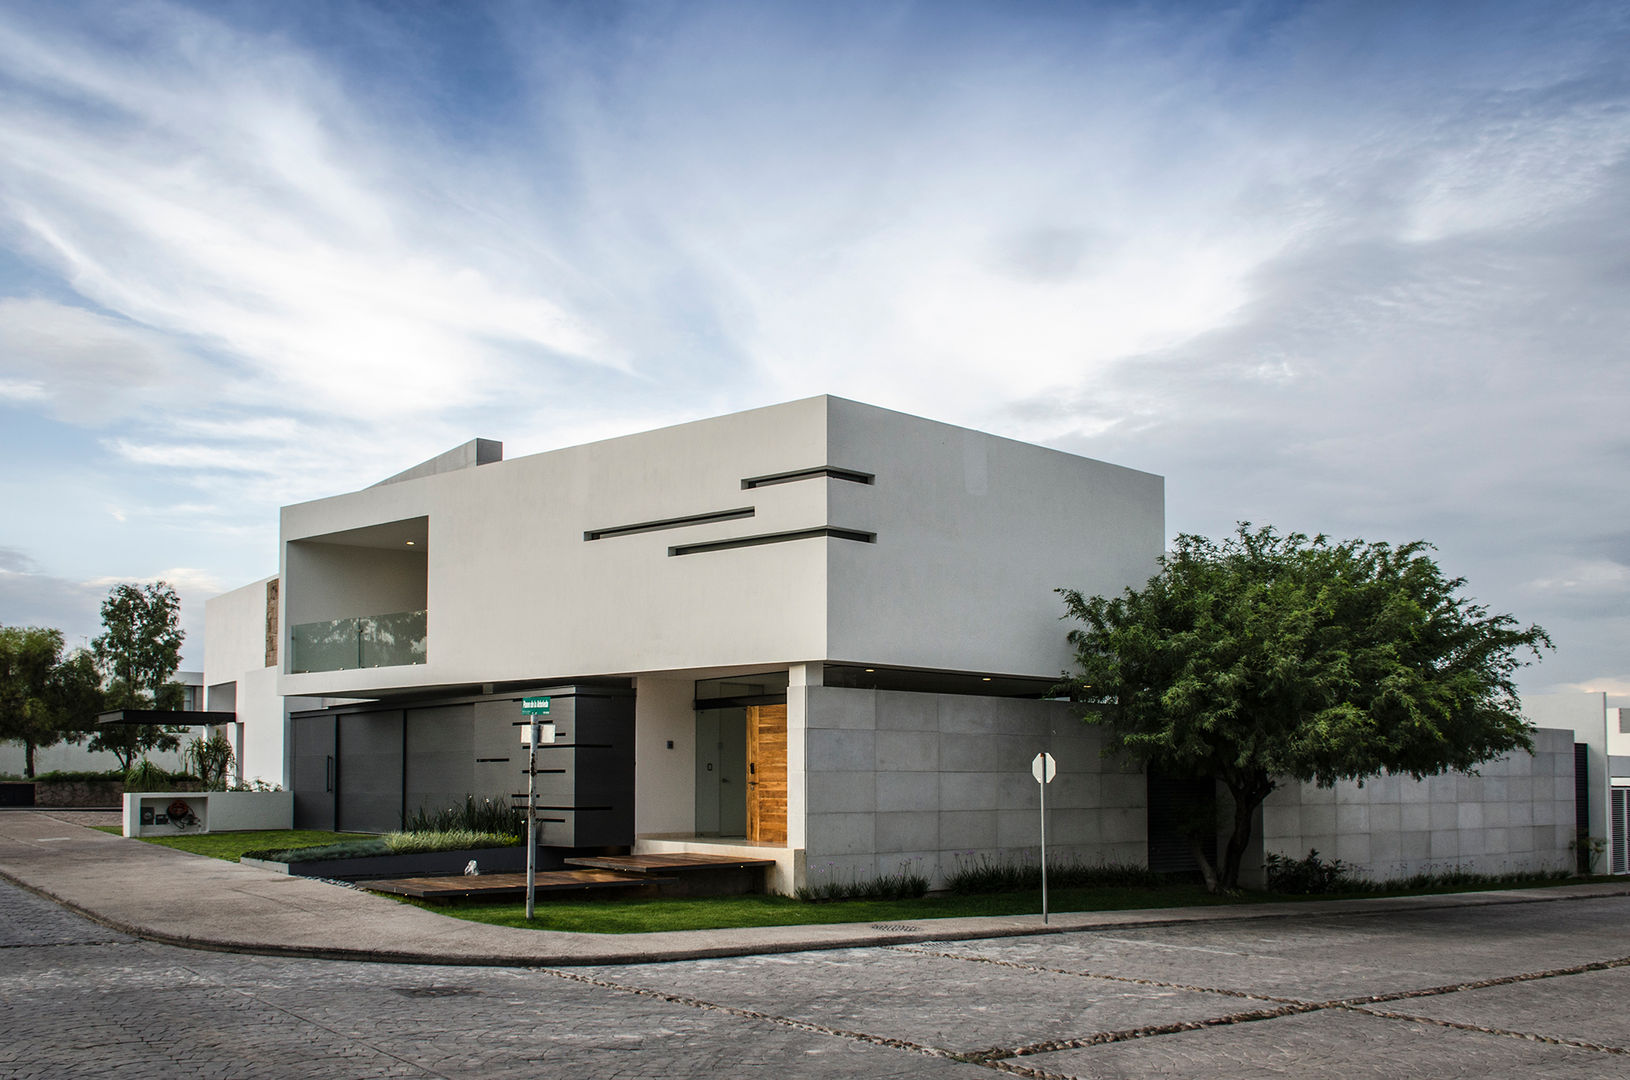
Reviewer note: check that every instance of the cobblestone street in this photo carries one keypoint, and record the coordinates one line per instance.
(1517, 990)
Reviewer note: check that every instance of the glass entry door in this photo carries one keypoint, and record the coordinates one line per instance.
(721, 772)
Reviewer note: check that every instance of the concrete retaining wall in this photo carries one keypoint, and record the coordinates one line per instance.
(905, 780)
(82, 794)
(1517, 814)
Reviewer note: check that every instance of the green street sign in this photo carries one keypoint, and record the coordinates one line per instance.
(535, 706)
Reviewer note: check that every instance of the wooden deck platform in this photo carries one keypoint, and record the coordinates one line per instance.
(504, 886)
(686, 873)
(668, 862)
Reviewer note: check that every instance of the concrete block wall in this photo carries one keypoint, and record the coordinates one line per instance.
(1516, 814)
(896, 780)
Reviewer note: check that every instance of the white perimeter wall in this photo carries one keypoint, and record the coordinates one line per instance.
(898, 780)
(68, 757)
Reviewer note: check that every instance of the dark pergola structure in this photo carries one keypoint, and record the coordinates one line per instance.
(165, 717)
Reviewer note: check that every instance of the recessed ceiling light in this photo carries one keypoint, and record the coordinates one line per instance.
(870, 670)
(985, 679)
(410, 543)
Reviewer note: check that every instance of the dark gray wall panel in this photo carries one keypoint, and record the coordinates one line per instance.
(311, 771)
(370, 773)
(586, 798)
(499, 756)
(440, 763)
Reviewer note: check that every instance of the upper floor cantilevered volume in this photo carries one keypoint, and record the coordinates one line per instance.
(817, 530)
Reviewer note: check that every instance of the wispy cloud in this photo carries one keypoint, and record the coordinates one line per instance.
(222, 190)
(1337, 266)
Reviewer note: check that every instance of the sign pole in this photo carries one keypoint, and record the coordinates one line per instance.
(531, 814)
(1044, 854)
(1044, 768)
(531, 734)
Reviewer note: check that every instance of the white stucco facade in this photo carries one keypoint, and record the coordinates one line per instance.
(239, 676)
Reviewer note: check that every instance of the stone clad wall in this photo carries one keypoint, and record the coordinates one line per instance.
(1516, 814)
(897, 780)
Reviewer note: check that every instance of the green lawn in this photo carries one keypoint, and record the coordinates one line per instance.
(230, 845)
(636, 916)
(612, 915)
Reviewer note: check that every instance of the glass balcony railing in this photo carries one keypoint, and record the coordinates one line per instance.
(367, 641)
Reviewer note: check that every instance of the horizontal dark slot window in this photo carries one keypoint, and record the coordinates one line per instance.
(774, 538)
(670, 523)
(738, 702)
(569, 809)
(851, 475)
(482, 760)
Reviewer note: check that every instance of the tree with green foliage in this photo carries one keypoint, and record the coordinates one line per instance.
(1270, 657)
(138, 653)
(44, 696)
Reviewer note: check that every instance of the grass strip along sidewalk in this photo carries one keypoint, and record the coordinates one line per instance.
(232, 845)
(608, 915)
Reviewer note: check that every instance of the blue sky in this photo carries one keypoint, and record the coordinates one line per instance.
(1357, 268)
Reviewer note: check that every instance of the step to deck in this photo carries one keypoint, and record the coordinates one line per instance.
(504, 886)
(686, 873)
(668, 862)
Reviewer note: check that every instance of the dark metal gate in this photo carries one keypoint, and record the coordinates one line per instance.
(1178, 807)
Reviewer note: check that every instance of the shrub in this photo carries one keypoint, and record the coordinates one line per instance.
(986, 874)
(211, 759)
(1590, 850)
(342, 849)
(486, 816)
(397, 843)
(145, 776)
(1455, 877)
(404, 843)
(1309, 876)
(904, 884)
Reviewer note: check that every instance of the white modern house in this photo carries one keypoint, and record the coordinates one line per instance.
(820, 632)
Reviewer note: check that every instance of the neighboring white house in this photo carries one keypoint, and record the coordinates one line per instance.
(1602, 740)
(821, 631)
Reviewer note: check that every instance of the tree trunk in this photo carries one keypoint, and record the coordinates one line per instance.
(1207, 871)
(1248, 794)
(28, 759)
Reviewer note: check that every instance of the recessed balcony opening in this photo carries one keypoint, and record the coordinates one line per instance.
(358, 598)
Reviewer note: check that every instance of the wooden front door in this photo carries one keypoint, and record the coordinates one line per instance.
(767, 774)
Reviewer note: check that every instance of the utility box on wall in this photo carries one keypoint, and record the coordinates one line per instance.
(585, 778)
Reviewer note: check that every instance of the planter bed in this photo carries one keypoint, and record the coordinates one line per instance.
(361, 868)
